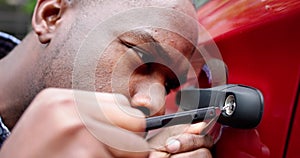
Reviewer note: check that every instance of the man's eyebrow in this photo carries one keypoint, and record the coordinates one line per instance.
(147, 38)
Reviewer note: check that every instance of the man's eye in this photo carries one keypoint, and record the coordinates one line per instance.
(144, 55)
(140, 54)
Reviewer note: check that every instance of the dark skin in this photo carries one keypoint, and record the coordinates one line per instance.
(59, 28)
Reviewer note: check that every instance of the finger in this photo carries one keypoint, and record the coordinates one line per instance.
(113, 109)
(187, 142)
(128, 154)
(200, 153)
(159, 154)
(158, 141)
(196, 128)
(120, 142)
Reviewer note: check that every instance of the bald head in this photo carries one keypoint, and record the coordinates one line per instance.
(117, 6)
(183, 5)
(166, 21)
(63, 28)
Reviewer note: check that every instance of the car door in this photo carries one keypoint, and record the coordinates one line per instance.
(260, 44)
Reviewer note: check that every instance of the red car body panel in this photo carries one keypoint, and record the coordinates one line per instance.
(293, 146)
(260, 43)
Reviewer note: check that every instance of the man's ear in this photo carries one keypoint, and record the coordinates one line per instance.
(46, 18)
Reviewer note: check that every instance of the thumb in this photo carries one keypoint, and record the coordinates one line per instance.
(112, 109)
(120, 142)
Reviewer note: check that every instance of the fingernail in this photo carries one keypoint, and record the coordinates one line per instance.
(173, 145)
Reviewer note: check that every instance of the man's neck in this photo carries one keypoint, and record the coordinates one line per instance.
(17, 77)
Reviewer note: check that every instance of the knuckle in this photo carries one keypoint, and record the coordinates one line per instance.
(191, 142)
(209, 141)
(195, 140)
(53, 97)
(54, 104)
(201, 141)
(48, 91)
(73, 128)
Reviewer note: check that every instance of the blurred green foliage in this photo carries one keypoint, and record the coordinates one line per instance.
(29, 6)
(26, 6)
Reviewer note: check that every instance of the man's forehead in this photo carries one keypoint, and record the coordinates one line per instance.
(158, 37)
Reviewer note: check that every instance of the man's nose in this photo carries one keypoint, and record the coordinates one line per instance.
(150, 98)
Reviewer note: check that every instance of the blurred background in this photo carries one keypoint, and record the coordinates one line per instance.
(15, 16)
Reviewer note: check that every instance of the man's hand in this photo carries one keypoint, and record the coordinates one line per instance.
(66, 123)
(181, 141)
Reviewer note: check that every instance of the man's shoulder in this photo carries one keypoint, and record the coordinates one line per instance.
(7, 43)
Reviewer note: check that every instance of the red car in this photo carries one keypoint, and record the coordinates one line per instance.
(259, 41)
